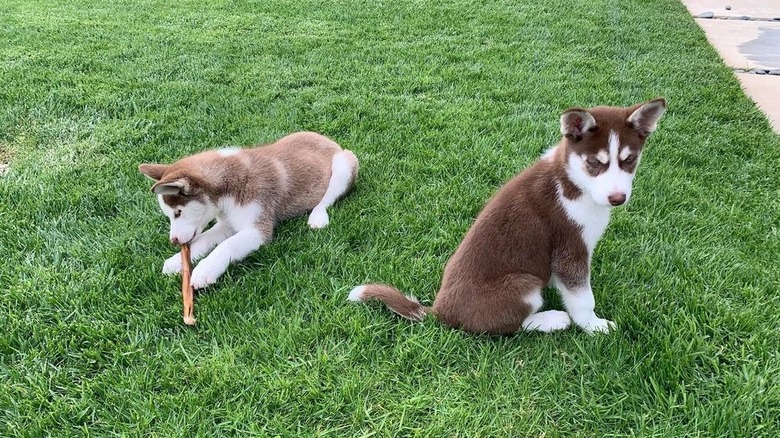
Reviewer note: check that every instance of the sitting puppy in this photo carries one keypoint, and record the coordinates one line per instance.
(247, 191)
(540, 228)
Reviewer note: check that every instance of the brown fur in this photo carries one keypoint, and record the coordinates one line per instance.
(522, 236)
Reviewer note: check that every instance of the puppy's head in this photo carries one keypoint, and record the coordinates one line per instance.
(604, 146)
(182, 200)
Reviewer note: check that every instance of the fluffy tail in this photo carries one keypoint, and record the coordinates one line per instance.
(404, 305)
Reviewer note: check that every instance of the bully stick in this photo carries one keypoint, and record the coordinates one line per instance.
(186, 288)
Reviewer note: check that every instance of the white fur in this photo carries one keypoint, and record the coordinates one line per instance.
(200, 246)
(546, 321)
(624, 153)
(356, 294)
(592, 217)
(239, 216)
(580, 304)
(226, 152)
(613, 181)
(603, 156)
(234, 248)
(549, 153)
(342, 170)
(193, 218)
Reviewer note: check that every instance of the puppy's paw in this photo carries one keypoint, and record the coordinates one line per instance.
(206, 273)
(172, 265)
(319, 218)
(547, 321)
(598, 325)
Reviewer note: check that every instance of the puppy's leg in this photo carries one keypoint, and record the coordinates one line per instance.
(236, 247)
(547, 321)
(580, 303)
(344, 168)
(200, 246)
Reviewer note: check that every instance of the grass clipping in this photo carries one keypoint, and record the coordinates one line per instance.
(186, 288)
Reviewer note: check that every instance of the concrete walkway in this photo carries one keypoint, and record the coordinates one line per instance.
(746, 34)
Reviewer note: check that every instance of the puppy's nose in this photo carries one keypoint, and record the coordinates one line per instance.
(617, 199)
(175, 240)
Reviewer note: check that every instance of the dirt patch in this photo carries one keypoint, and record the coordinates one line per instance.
(5, 158)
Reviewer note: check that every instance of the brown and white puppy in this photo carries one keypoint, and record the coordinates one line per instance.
(539, 229)
(247, 191)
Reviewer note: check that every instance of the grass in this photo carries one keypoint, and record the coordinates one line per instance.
(442, 102)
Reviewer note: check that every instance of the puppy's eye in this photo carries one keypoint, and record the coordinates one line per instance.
(630, 159)
(594, 162)
(176, 214)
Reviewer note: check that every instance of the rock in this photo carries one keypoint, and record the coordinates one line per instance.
(706, 15)
(775, 72)
(728, 8)
(759, 71)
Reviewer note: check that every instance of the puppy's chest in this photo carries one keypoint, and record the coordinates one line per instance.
(592, 219)
(238, 215)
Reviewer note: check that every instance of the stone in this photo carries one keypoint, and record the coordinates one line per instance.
(759, 71)
(706, 15)
(775, 72)
(728, 8)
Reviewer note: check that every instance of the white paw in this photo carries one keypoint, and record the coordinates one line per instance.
(172, 265)
(207, 272)
(547, 321)
(318, 218)
(598, 325)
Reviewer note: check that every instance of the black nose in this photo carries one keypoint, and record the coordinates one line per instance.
(617, 199)
(175, 240)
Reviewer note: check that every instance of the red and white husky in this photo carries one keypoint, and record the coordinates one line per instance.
(247, 191)
(540, 228)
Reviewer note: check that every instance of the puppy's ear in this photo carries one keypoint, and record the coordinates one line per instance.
(644, 119)
(176, 187)
(153, 171)
(576, 123)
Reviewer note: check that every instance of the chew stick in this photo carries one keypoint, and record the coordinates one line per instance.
(186, 288)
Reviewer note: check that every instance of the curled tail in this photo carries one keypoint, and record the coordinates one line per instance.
(404, 305)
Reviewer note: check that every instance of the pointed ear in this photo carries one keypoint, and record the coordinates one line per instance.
(645, 118)
(576, 122)
(176, 187)
(153, 171)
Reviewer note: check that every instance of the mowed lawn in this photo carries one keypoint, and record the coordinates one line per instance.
(442, 101)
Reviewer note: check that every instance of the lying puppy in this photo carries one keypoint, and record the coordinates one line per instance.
(540, 228)
(247, 191)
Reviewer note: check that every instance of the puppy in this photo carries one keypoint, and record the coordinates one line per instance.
(539, 229)
(247, 191)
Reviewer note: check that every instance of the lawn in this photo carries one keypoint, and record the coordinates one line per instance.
(442, 102)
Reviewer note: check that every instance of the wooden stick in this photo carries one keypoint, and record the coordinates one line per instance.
(186, 288)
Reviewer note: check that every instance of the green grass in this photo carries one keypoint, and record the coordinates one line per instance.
(442, 102)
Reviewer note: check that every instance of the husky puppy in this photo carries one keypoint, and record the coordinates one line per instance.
(539, 229)
(247, 191)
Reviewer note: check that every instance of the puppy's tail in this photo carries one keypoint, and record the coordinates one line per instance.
(404, 305)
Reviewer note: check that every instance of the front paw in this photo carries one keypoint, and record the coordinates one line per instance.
(318, 218)
(207, 272)
(172, 265)
(598, 325)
